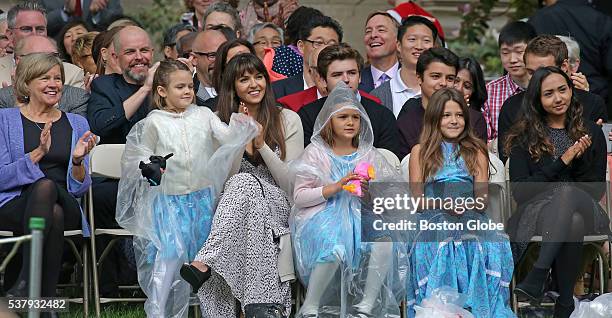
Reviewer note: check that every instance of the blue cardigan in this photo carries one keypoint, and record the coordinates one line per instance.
(16, 167)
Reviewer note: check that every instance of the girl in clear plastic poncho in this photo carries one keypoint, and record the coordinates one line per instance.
(326, 220)
(450, 162)
(171, 216)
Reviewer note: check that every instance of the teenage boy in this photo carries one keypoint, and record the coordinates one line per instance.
(512, 41)
(338, 63)
(436, 69)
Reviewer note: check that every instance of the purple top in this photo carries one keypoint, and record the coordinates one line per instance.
(16, 167)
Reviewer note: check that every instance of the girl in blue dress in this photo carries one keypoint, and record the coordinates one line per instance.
(171, 216)
(345, 276)
(451, 163)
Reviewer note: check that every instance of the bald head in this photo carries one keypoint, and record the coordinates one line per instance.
(130, 34)
(134, 53)
(207, 42)
(35, 44)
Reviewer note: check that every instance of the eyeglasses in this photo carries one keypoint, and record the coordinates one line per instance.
(29, 29)
(317, 44)
(211, 56)
(266, 43)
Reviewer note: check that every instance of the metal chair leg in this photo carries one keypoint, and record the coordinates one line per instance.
(514, 298)
(85, 281)
(96, 283)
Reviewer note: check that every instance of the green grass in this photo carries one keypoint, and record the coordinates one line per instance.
(117, 310)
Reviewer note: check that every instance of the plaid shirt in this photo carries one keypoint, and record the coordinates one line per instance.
(498, 91)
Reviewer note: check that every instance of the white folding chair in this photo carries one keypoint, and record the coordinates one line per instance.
(390, 157)
(404, 168)
(105, 161)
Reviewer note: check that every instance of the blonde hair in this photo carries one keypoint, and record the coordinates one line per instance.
(81, 44)
(30, 67)
(162, 78)
(327, 134)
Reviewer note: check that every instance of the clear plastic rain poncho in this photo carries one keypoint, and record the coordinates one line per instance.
(344, 276)
(171, 222)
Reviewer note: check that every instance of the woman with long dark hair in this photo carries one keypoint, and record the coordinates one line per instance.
(557, 166)
(241, 258)
(470, 82)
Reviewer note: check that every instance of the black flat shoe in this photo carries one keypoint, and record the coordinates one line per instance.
(535, 297)
(194, 276)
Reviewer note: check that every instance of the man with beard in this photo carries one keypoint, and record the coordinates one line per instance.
(117, 102)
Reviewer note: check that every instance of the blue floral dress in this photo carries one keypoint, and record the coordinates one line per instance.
(478, 266)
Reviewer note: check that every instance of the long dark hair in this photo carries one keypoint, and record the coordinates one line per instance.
(479, 90)
(269, 114)
(221, 60)
(431, 156)
(530, 131)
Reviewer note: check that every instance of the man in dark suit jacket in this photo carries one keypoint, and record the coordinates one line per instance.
(73, 100)
(97, 14)
(546, 50)
(288, 86)
(367, 82)
(318, 33)
(118, 101)
(381, 50)
(338, 63)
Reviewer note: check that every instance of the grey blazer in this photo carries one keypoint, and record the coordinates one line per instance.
(383, 92)
(74, 100)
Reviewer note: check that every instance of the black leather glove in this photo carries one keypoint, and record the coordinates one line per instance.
(152, 170)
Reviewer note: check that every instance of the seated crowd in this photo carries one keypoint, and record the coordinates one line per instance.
(244, 149)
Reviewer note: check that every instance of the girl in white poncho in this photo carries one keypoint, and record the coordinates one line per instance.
(171, 217)
(345, 275)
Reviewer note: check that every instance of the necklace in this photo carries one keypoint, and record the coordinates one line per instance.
(35, 123)
(28, 115)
